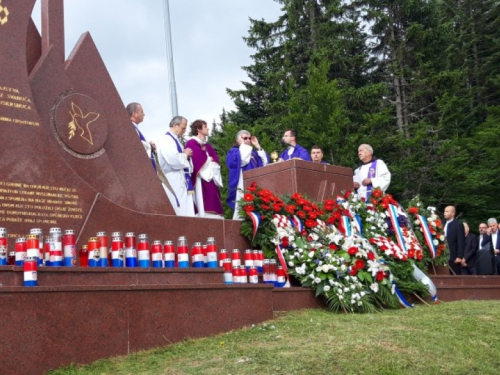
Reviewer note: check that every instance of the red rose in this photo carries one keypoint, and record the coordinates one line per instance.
(301, 214)
(311, 223)
(248, 197)
(438, 223)
(312, 215)
(353, 271)
(363, 199)
(291, 208)
(303, 233)
(380, 275)
(285, 242)
(371, 256)
(419, 255)
(328, 207)
(377, 193)
(352, 250)
(411, 253)
(332, 246)
(347, 194)
(309, 238)
(265, 207)
(276, 207)
(359, 264)
(249, 208)
(253, 187)
(413, 210)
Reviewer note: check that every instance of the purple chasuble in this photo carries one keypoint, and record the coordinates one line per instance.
(211, 194)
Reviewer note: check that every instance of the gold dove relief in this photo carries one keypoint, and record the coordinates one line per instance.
(81, 122)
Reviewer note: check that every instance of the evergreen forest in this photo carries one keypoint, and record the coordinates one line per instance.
(419, 80)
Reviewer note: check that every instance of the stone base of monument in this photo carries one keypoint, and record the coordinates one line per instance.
(79, 315)
(455, 288)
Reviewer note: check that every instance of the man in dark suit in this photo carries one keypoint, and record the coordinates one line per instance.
(455, 238)
(495, 243)
(485, 262)
(470, 250)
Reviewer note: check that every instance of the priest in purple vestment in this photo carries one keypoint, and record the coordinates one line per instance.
(206, 175)
(242, 157)
(294, 150)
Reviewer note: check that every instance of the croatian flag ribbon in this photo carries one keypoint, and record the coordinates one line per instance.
(281, 258)
(255, 221)
(358, 224)
(401, 298)
(393, 214)
(427, 235)
(299, 226)
(346, 226)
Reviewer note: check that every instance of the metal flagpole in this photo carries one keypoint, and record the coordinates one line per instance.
(170, 60)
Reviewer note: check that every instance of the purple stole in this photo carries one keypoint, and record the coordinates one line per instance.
(372, 171)
(141, 137)
(189, 184)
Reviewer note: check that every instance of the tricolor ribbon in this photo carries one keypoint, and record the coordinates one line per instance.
(393, 214)
(345, 226)
(281, 258)
(255, 221)
(427, 235)
(401, 298)
(424, 279)
(358, 224)
(298, 223)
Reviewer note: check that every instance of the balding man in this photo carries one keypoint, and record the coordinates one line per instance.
(136, 114)
(455, 238)
(372, 173)
(175, 162)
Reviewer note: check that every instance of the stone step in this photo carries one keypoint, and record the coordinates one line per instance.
(479, 280)
(449, 293)
(84, 276)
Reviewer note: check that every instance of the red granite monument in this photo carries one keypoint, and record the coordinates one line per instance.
(70, 156)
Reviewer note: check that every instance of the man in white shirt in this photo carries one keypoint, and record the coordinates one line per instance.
(495, 242)
(373, 173)
(175, 162)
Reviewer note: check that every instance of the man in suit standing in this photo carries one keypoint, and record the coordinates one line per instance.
(455, 238)
(495, 243)
(484, 259)
(470, 249)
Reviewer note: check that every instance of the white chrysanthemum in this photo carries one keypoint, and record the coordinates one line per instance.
(374, 287)
(311, 254)
(326, 288)
(362, 294)
(317, 280)
(346, 289)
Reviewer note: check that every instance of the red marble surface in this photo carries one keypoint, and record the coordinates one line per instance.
(45, 328)
(317, 181)
(85, 276)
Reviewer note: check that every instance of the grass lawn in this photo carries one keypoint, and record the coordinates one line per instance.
(451, 338)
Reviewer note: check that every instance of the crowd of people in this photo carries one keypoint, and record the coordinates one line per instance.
(191, 177)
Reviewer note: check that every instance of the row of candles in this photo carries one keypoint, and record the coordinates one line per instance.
(60, 250)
